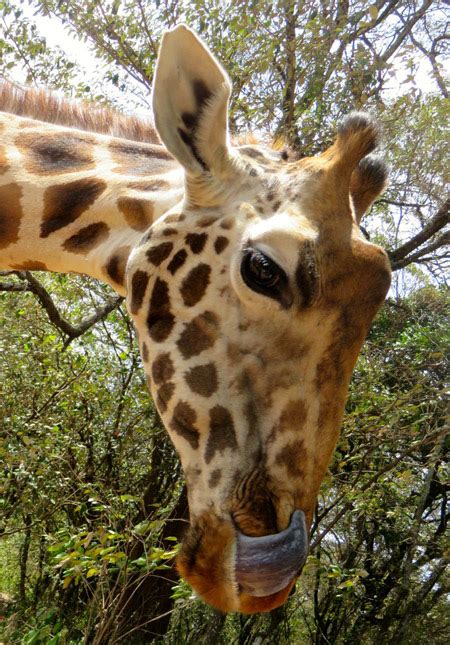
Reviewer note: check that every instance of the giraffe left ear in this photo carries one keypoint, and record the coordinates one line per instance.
(190, 102)
(368, 180)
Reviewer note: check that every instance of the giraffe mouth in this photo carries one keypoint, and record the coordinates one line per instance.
(237, 572)
(268, 564)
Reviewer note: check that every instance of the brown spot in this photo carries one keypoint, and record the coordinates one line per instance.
(163, 396)
(293, 416)
(226, 224)
(169, 231)
(200, 334)
(138, 212)
(194, 286)
(196, 241)
(202, 379)
(220, 244)
(56, 153)
(4, 165)
(145, 352)
(222, 434)
(117, 263)
(207, 221)
(162, 369)
(148, 186)
(183, 421)
(174, 218)
(160, 320)
(139, 158)
(10, 214)
(30, 265)
(276, 206)
(177, 261)
(158, 254)
(215, 478)
(64, 203)
(292, 457)
(87, 238)
(139, 284)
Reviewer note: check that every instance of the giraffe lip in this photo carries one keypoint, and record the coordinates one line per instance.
(267, 564)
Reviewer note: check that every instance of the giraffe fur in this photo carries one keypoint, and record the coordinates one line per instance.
(250, 381)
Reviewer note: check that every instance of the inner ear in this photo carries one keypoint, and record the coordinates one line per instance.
(368, 180)
(190, 101)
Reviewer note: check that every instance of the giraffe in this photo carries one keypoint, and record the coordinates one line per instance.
(251, 289)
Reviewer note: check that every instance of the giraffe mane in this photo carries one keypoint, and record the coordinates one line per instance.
(43, 105)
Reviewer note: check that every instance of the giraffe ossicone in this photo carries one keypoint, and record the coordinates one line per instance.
(251, 289)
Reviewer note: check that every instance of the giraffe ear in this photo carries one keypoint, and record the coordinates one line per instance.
(190, 102)
(368, 180)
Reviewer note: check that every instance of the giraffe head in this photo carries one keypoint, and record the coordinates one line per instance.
(251, 300)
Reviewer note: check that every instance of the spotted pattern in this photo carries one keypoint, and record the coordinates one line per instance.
(139, 159)
(293, 416)
(64, 203)
(194, 286)
(202, 379)
(221, 244)
(56, 153)
(158, 254)
(138, 212)
(160, 320)
(174, 218)
(30, 265)
(10, 214)
(222, 434)
(293, 457)
(182, 423)
(200, 334)
(215, 477)
(196, 241)
(162, 369)
(207, 221)
(167, 232)
(139, 284)
(177, 261)
(87, 238)
(163, 396)
(116, 265)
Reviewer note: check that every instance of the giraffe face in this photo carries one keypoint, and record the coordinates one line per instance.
(251, 300)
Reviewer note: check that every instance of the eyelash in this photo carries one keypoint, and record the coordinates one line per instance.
(261, 274)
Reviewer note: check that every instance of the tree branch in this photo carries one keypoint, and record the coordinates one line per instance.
(437, 222)
(72, 331)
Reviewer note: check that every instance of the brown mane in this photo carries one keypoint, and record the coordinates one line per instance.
(40, 104)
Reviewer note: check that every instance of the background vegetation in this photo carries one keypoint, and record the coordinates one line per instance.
(91, 494)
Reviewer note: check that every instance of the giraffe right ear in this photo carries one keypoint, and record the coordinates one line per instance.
(190, 102)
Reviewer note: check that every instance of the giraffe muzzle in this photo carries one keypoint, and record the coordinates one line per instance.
(267, 564)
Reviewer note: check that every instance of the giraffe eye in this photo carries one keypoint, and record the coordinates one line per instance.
(261, 274)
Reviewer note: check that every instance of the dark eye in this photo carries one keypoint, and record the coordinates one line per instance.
(261, 274)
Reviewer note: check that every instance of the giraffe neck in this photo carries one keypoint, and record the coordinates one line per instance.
(72, 201)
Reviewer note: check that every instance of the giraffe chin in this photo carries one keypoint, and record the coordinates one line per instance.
(234, 572)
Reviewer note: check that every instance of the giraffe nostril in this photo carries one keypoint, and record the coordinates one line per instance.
(267, 564)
